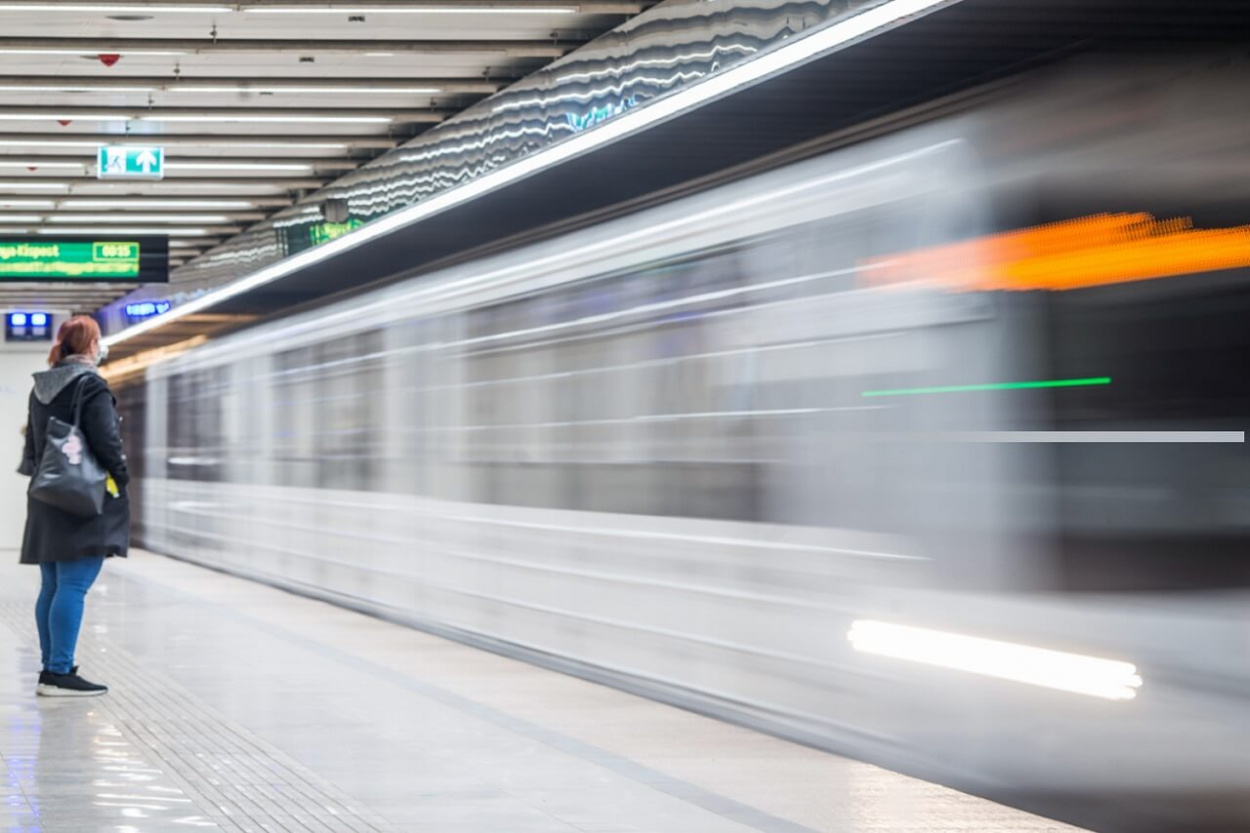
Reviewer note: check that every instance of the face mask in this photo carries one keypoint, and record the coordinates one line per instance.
(102, 354)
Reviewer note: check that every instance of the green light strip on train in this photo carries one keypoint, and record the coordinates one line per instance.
(1050, 383)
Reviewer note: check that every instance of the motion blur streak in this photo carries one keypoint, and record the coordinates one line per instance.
(1078, 674)
(1047, 383)
(1091, 251)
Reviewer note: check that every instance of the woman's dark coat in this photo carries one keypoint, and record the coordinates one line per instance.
(54, 535)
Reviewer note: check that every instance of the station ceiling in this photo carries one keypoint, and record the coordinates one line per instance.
(256, 103)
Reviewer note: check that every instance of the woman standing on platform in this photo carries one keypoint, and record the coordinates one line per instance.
(70, 549)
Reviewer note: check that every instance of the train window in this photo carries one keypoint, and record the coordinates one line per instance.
(348, 410)
(327, 414)
(610, 396)
(132, 401)
(196, 441)
(294, 410)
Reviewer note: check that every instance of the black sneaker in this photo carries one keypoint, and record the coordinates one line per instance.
(43, 675)
(67, 685)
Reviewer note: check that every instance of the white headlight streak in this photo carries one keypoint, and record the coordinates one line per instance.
(1092, 676)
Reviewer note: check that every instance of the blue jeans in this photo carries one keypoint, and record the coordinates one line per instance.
(58, 613)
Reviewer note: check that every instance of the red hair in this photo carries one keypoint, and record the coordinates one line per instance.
(74, 337)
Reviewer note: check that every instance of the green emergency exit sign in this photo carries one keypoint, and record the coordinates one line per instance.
(130, 162)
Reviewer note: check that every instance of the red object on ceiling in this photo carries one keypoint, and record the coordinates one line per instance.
(109, 58)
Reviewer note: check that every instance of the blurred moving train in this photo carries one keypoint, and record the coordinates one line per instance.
(810, 449)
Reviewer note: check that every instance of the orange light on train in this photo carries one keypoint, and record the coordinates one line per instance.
(1090, 251)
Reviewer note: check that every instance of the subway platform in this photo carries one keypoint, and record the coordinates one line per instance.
(238, 707)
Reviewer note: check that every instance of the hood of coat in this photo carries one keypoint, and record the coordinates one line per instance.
(50, 382)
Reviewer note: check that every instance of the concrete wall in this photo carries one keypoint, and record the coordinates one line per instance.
(17, 362)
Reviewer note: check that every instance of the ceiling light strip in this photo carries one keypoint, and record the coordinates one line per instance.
(792, 53)
(108, 8)
(123, 217)
(19, 50)
(114, 232)
(139, 202)
(227, 165)
(342, 9)
(200, 143)
(222, 118)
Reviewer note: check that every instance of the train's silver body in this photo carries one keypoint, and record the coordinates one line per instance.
(642, 452)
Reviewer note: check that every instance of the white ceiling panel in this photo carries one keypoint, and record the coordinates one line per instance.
(221, 98)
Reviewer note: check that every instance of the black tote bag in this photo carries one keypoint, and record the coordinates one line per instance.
(69, 476)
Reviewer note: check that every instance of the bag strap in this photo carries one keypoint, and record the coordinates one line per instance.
(77, 402)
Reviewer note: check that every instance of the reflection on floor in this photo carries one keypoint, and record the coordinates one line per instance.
(237, 707)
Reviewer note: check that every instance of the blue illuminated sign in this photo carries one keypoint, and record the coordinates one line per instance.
(27, 326)
(146, 309)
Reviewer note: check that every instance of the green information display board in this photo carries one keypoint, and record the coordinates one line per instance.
(305, 236)
(43, 259)
(325, 232)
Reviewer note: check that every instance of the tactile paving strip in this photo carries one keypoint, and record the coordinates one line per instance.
(237, 780)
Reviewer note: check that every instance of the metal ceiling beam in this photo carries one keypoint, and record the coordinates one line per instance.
(105, 229)
(240, 141)
(172, 161)
(349, 6)
(172, 203)
(353, 6)
(384, 115)
(224, 181)
(284, 179)
(69, 214)
(198, 46)
(96, 288)
(39, 291)
(249, 85)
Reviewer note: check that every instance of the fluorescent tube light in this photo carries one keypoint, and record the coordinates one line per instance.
(217, 143)
(137, 202)
(22, 163)
(5, 50)
(113, 232)
(269, 118)
(110, 9)
(36, 143)
(61, 88)
(63, 117)
(309, 89)
(449, 9)
(241, 165)
(122, 217)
